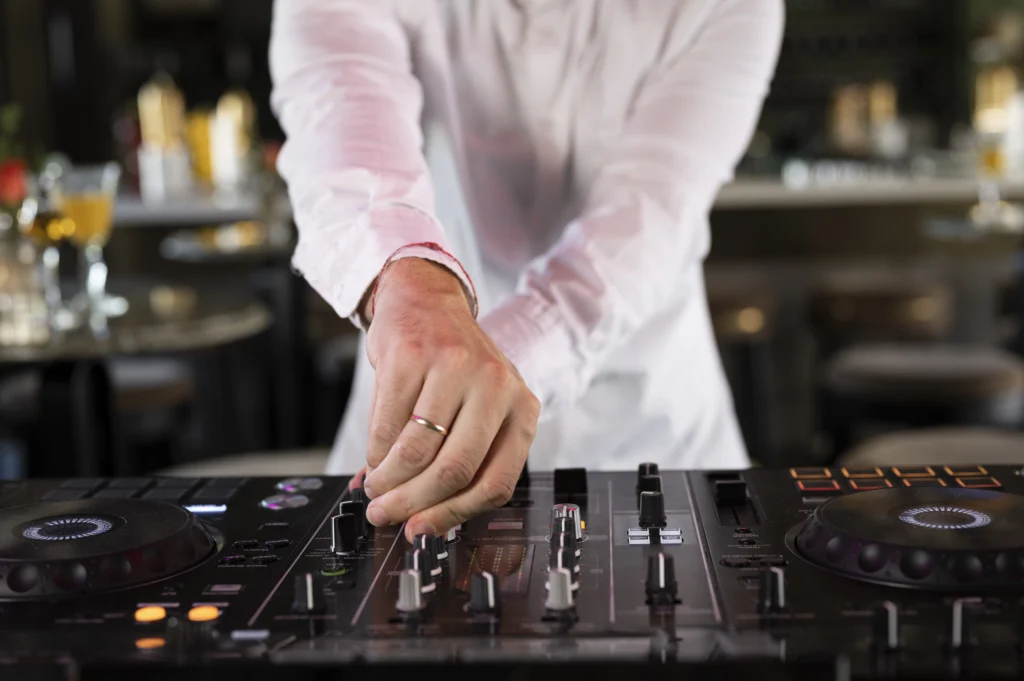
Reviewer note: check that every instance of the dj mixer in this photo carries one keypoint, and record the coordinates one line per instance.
(816, 573)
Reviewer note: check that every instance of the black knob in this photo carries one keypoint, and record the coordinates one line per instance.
(647, 469)
(567, 541)
(440, 547)
(652, 510)
(484, 597)
(426, 543)
(772, 596)
(344, 533)
(307, 596)
(560, 558)
(422, 562)
(358, 509)
(650, 483)
(661, 580)
(561, 526)
(357, 495)
(886, 624)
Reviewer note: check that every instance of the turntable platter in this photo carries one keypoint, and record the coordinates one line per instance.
(82, 547)
(939, 538)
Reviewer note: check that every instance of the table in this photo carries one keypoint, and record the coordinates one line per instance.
(76, 411)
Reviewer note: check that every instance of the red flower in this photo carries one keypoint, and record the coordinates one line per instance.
(12, 182)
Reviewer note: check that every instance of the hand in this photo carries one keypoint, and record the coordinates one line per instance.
(432, 359)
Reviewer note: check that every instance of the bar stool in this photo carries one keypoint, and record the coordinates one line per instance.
(939, 447)
(877, 388)
(273, 464)
(742, 322)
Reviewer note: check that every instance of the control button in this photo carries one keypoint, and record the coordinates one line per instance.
(730, 492)
(924, 482)
(810, 473)
(65, 494)
(440, 547)
(265, 559)
(165, 494)
(886, 624)
(505, 525)
(131, 483)
(450, 536)
(571, 511)
(860, 473)
(250, 634)
(425, 543)
(748, 542)
(562, 559)
(232, 560)
(300, 484)
(223, 590)
(735, 562)
(772, 591)
(277, 543)
(484, 597)
(566, 541)
(281, 502)
(743, 530)
(124, 493)
(570, 483)
(177, 483)
(818, 486)
(645, 469)
(960, 634)
(226, 482)
(987, 482)
(410, 594)
(965, 471)
(306, 596)
(650, 483)
(420, 561)
(357, 509)
(560, 590)
(82, 483)
(203, 613)
(150, 613)
(652, 510)
(344, 533)
(866, 485)
(150, 643)
(661, 580)
(246, 543)
(216, 495)
(913, 471)
(335, 570)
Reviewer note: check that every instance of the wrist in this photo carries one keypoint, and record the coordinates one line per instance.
(410, 277)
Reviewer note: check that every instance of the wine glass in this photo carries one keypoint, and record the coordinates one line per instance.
(45, 227)
(85, 195)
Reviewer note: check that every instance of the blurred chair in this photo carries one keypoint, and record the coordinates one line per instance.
(877, 388)
(939, 447)
(273, 464)
(743, 326)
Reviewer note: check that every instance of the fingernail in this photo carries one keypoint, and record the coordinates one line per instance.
(368, 491)
(425, 528)
(376, 515)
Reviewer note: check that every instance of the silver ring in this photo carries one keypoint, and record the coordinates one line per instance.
(429, 424)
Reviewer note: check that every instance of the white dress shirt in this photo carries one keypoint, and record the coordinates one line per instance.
(589, 139)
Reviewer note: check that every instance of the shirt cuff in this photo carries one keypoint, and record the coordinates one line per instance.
(530, 333)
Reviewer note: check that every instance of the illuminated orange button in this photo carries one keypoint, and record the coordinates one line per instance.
(965, 471)
(810, 473)
(987, 482)
(864, 485)
(150, 613)
(914, 472)
(203, 613)
(924, 482)
(819, 486)
(863, 473)
(150, 643)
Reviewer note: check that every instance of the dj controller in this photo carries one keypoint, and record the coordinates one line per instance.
(816, 573)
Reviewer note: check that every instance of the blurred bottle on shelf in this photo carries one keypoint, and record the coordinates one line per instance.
(889, 134)
(165, 170)
(232, 132)
(197, 133)
(848, 127)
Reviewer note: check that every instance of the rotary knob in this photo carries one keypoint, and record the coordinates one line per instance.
(440, 547)
(565, 560)
(886, 624)
(483, 594)
(410, 592)
(652, 510)
(449, 536)
(772, 591)
(570, 511)
(661, 580)
(560, 598)
(422, 562)
(344, 533)
(646, 469)
(426, 543)
(566, 541)
(357, 509)
(650, 483)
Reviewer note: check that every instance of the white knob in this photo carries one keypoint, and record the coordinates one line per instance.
(559, 590)
(410, 597)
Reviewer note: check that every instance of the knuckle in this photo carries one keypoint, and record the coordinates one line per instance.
(529, 406)
(456, 355)
(384, 434)
(496, 373)
(498, 491)
(456, 472)
(413, 453)
(401, 507)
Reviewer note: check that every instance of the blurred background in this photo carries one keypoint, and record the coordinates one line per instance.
(863, 278)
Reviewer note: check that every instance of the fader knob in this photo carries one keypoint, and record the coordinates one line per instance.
(483, 593)
(960, 634)
(560, 558)
(425, 543)
(772, 595)
(567, 541)
(410, 594)
(650, 483)
(357, 509)
(652, 510)
(559, 590)
(306, 596)
(420, 561)
(887, 626)
(661, 580)
(344, 533)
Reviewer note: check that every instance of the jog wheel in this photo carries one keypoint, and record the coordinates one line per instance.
(941, 539)
(76, 548)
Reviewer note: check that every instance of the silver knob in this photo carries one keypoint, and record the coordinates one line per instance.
(559, 590)
(410, 598)
(567, 511)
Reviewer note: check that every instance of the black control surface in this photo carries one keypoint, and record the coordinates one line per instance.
(858, 572)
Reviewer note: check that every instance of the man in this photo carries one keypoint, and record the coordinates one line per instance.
(591, 138)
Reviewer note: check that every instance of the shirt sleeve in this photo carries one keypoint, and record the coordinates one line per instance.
(349, 103)
(644, 226)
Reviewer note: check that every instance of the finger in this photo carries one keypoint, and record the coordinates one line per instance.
(453, 469)
(493, 487)
(357, 479)
(418, 445)
(398, 386)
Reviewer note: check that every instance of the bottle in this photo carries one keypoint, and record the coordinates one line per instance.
(24, 317)
(165, 170)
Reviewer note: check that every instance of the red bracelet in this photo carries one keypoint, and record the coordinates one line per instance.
(434, 247)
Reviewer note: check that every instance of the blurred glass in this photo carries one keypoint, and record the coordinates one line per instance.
(23, 312)
(46, 227)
